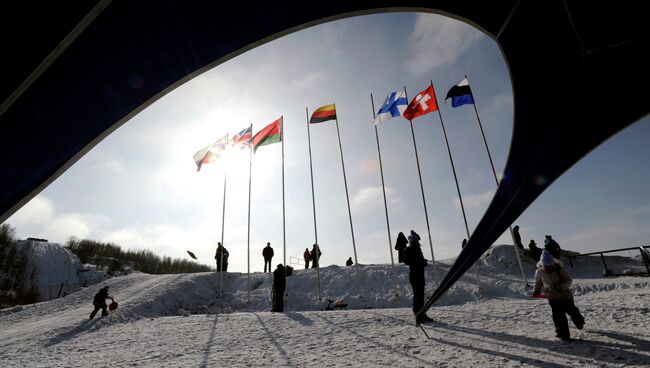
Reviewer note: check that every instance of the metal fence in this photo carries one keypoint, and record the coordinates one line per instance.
(645, 257)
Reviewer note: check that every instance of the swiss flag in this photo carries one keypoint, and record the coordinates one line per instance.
(424, 103)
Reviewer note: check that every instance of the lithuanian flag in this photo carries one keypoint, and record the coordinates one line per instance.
(271, 133)
(324, 113)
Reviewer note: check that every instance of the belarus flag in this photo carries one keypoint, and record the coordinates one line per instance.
(423, 103)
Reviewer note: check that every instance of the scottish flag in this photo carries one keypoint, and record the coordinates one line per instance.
(394, 106)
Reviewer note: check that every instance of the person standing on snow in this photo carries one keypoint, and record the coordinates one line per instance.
(99, 301)
(267, 253)
(349, 262)
(552, 247)
(556, 282)
(219, 257)
(307, 257)
(315, 256)
(414, 258)
(279, 286)
(400, 245)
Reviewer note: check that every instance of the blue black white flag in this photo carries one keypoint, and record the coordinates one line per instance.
(460, 94)
(394, 106)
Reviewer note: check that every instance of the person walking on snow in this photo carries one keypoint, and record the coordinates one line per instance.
(279, 286)
(307, 257)
(400, 245)
(99, 301)
(556, 282)
(414, 258)
(267, 253)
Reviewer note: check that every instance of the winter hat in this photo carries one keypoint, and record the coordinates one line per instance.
(547, 259)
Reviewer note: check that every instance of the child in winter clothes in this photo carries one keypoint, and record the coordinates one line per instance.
(556, 282)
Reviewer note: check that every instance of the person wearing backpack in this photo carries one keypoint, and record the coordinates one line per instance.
(414, 258)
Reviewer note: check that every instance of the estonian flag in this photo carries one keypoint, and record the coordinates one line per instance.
(460, 94)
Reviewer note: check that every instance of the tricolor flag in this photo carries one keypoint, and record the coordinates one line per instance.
(424, 103)
(323, 113)
(244, 138)
(272, 133)
(393, 106)
(211, 152)
(460, 94)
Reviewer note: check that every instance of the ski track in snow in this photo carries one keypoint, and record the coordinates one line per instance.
(502, 328)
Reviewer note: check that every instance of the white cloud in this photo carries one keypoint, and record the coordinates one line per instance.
(112, 166)
(475, 200)
(370, 198)
(433, 33)
(36, 212)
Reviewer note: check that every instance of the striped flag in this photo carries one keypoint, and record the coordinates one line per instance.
(211, 152)
(271, 133)
(323, 113)
(460, 94)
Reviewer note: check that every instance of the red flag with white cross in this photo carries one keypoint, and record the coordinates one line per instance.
(423, 103)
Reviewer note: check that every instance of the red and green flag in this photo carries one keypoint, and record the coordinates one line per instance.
(272, 133)
(323, 113)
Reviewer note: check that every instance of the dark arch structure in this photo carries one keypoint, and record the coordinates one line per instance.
(76, 70)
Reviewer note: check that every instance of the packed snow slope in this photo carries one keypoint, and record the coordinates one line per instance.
(186, 320)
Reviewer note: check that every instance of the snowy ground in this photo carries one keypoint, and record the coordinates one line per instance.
(179, 321)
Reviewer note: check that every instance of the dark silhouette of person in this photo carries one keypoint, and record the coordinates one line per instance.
(533, 251)
(218, 256)
(463, 244)
(349, 262)
(267, 253)
(552, 247)
(516, 237)
(556, 283)
(400, 245)
(279, 286)
(315, 256)
(307, 257)
(99, 301)
(414, 258)
(226, 255)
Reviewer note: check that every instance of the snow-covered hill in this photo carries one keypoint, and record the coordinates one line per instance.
(181, 320)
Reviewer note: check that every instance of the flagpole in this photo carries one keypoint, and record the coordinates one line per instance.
(424, 201)
(383, 188)
(453, 169)
(284, 234)
(496, 180)
(248, 245)
(347, 197)
(223, 220)
(313, 202)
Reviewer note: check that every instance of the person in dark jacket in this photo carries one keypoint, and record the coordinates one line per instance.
(267, 253)
(315, 256)
(556, 283)
(552, 247)
(307, 257)
(400, 245)
(533, 251)
(218, 256)
(226, 255)
(517, 237)
(414, 258)
(99, 301)
(279, 286)
(349, 262)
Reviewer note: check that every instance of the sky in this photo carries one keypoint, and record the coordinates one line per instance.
(139, 187)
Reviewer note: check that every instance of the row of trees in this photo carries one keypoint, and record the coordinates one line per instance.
(12, 269)
(112, 256)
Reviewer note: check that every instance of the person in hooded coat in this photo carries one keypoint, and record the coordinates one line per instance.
(551, 276)
(315, 256)
(400, 245)
(99, 301)
(552, 247)
(279, 286)
(349, 262)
